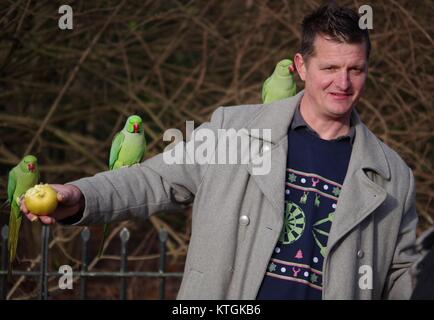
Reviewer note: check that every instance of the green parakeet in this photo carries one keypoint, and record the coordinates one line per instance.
(21, 178)
(128, 148)
(281, 83)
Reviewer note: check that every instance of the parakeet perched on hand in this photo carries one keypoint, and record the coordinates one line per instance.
(21, 178)
(128, 148)
(280, 84)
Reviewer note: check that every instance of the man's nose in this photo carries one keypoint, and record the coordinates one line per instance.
(343, 81)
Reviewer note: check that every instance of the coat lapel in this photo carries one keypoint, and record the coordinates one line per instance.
(276, 116)
(360, 196)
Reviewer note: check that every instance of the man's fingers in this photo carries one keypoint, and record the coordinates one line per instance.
(67, 194)
(47, 219)
(23, 208)
(26, 212)
(60, 189)
(44, 219)
(31, 217)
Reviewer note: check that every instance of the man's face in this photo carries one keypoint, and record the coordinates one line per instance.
(334, 76)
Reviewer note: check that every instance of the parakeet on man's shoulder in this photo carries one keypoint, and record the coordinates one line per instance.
(281, 84)
(21, 178)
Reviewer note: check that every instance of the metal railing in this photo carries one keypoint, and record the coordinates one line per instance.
(83, 274)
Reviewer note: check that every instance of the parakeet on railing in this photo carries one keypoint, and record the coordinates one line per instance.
(281, 84)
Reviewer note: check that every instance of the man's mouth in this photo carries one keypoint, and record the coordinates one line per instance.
(340, 95)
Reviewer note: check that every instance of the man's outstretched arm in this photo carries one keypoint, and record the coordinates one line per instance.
(136, 191)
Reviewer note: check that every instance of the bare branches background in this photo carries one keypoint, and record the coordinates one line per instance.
(64, 94)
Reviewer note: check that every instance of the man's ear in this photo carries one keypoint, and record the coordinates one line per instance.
(300, 65)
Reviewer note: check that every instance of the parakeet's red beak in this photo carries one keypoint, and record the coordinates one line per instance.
(136, 127)
(291, 68)
(31, 167)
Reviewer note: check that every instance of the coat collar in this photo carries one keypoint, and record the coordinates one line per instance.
(277, 116)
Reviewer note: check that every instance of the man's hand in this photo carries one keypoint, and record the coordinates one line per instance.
(70, 202)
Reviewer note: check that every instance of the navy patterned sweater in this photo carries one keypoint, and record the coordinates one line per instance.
(315, 172)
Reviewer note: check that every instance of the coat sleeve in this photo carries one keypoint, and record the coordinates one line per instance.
(399, 283)
(145, 188)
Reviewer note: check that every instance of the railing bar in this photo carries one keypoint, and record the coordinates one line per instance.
(90, 274)
(163, 238)
(85, 235)
(125, 236)
(4, 262)
(43, 281)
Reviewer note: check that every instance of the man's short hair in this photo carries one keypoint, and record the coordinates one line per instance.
(334, 23)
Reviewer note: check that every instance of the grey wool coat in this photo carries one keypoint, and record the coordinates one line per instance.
(238, 215)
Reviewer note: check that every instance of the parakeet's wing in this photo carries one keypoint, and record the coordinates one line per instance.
(12, 183)
(143, 148)
(265, 88)
(115, 148)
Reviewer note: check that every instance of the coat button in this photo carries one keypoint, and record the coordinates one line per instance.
(244, 220)
(360, 254)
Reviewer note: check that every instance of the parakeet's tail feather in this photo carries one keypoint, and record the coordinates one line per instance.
(104, 237)
(14, 229)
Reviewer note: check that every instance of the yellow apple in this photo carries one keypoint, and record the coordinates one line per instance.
(41, 199)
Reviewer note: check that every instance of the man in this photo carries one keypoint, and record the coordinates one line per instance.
(333, 219)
